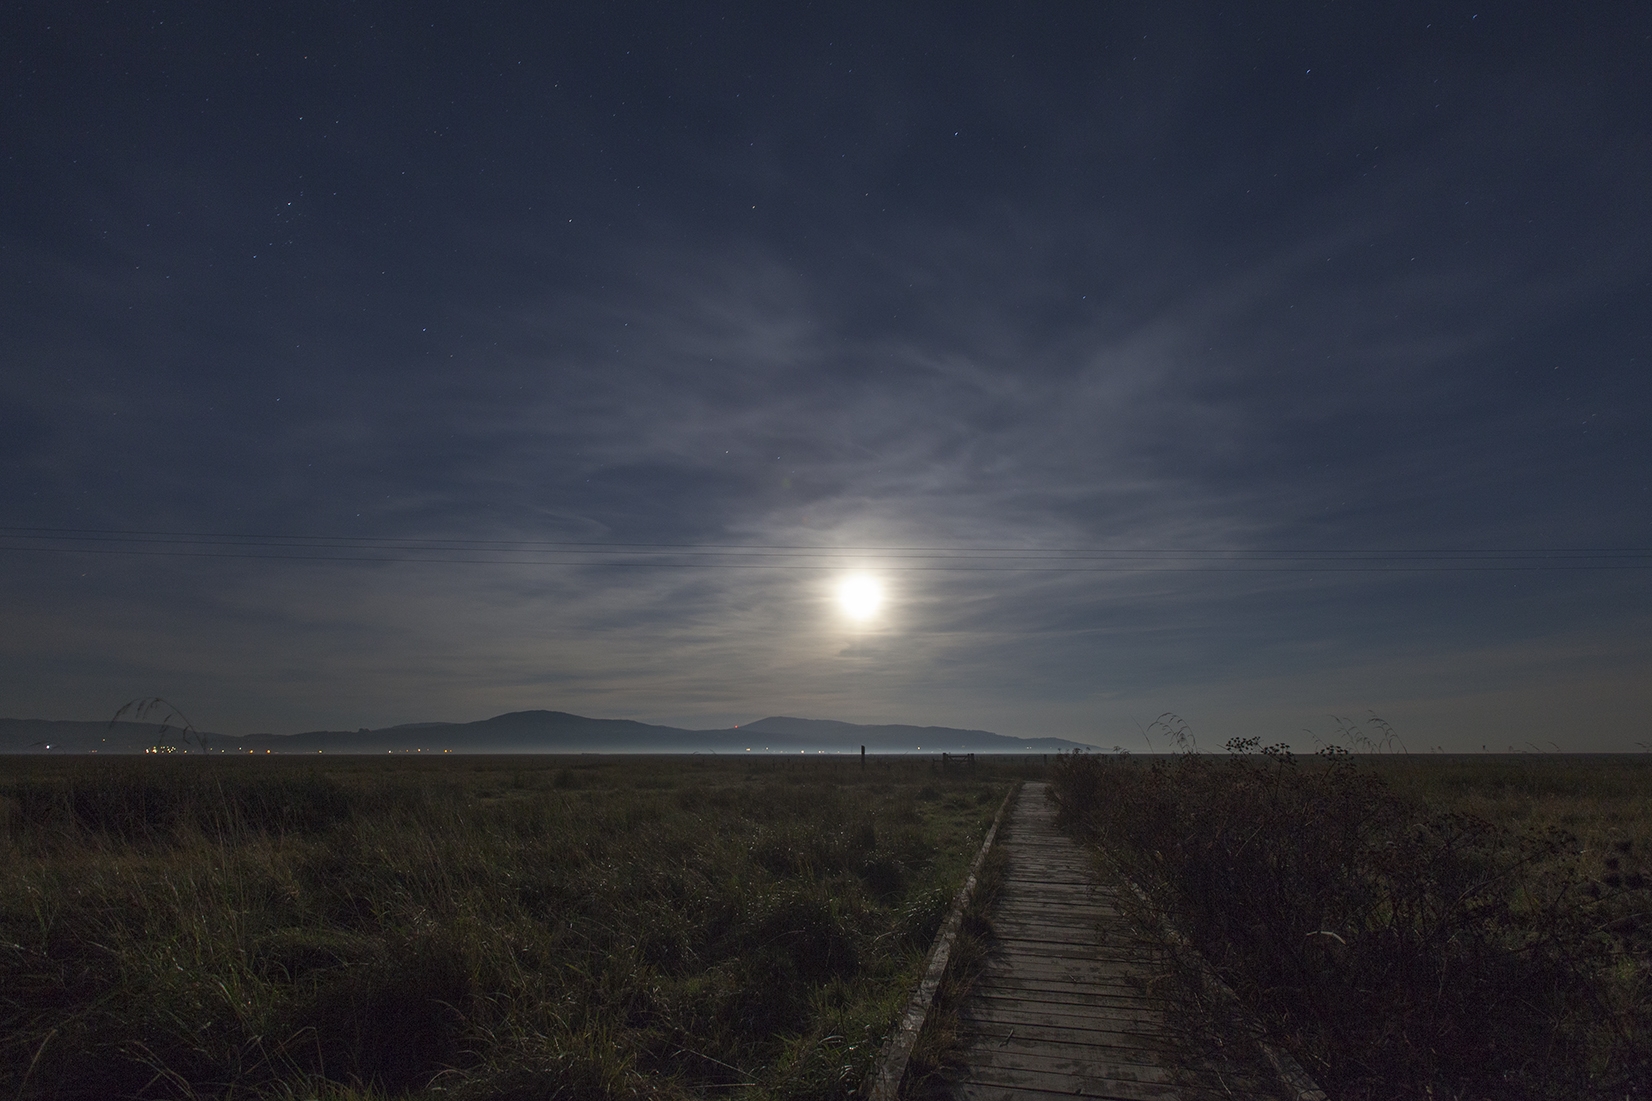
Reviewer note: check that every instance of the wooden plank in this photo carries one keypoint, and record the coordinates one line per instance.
(1057, 1030)
(1098, 1091)
(1006, 979)
(1118, 988)
(1082, 1085)
(1026, 880)
(1087, 910)
(1049, 966)
(1058, 898)
(1061, 909)
(1067, 855)
(1000, 1010)
(1072, 969)
(992, 1091)
(1013, 943)
(1098, 963)
(1048, 955)
(1044, 938)
(1081, 1019)
(1119, 992)
(1110, 961)
(997, 976)
(1094, 1034)
(1047, 982)
(1079, 1062)
(1134, 983)
(1099, 999)
(1101, 1049)
(1070, 993)
(1124, 1052)
(1083, 938)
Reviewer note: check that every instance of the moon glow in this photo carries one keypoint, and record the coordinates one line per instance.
(859, 596)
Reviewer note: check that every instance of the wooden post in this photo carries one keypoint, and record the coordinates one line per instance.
(862, 756)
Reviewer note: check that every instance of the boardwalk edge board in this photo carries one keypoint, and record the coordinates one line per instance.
(1298, 1084)
(885, 1082)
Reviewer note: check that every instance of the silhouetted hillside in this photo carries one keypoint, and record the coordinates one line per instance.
(533, 732)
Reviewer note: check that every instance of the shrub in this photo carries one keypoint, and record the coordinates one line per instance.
(1398, 951)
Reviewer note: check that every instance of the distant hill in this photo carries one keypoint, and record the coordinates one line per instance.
(902, 739)
(50, 736)
(535, 732)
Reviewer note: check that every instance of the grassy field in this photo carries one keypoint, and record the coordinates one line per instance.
(468, 927)
(1603, 802)
(1407, 926)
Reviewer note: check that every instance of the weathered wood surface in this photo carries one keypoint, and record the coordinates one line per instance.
(1065, 1006)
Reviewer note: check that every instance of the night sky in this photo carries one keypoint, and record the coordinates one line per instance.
(377, 363)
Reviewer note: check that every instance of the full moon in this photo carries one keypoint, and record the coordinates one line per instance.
(859, 596)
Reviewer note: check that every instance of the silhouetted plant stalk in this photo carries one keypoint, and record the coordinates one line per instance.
(172, 721)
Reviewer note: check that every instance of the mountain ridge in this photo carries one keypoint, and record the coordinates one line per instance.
(533, 731)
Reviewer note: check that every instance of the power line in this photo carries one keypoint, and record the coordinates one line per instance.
(591, 554)
(449, 543)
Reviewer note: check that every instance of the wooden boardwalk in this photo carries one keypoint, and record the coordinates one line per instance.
(1064, 1007)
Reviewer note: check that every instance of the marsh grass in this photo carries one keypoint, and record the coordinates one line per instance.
(1440, 928)
(476, 928)
(941, 1048)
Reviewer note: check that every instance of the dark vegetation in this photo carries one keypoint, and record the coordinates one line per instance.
(1407, 928)
(468, 928)
(940, 1050)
